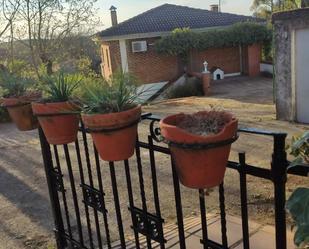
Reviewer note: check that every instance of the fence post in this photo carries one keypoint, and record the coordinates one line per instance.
(279, 177)
(53, 195)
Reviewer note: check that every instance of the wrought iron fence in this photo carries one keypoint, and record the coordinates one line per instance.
(86, 200)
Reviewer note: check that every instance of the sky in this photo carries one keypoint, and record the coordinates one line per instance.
(130, 8)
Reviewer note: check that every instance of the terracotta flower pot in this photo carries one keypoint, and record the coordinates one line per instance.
(21, 113)
(114, 134)
(197, 167)
(59, 126)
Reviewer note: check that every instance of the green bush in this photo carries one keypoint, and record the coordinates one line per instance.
(298, 203)
(181, 41)
(12, 85)
(192, 87)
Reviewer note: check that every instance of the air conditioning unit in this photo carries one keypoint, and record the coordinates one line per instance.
(139, 46)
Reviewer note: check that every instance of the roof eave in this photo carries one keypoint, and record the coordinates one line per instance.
(153, 34)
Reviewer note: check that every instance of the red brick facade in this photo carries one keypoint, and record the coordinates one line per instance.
(150, 67)
(226, 58)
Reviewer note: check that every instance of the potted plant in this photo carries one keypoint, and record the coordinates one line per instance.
(17, 97)
(200, 144)
(111, 114)
(298, 203)
(58, 113)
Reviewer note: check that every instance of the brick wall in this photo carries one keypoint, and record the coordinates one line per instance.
(226, 58)
(150, 67)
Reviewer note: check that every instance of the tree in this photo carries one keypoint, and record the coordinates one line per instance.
(262, 8)
(265, 8)
(49, 23)
(9, 9)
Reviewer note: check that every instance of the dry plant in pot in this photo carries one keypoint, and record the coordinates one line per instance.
(58, 113)
(18, 93)
(111, 114)
(200, 144)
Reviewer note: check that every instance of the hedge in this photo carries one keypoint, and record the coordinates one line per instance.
(181, 41)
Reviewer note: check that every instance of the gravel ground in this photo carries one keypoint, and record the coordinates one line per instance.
(26, 220)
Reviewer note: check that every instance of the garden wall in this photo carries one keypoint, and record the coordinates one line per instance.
(151, 67)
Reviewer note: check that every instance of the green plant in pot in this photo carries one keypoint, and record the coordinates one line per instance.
(200, 144)
(111, 113)
(298, 203)
(17, 94)
(58, 113)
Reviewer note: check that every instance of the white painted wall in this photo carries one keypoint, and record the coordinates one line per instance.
(301, 77)
(124, 55)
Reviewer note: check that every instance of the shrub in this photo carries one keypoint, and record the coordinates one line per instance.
(12, 85)
(181, 41)
(298, 203)
(191, 87)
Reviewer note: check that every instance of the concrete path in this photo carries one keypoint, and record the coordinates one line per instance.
(261, 236)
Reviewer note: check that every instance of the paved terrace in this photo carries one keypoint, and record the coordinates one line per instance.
(261, 236)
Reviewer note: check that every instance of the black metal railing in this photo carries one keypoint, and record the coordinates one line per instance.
(87, 205)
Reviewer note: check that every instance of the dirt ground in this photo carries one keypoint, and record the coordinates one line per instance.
(26, 220)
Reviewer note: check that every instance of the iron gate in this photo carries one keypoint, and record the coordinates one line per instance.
(88, 208)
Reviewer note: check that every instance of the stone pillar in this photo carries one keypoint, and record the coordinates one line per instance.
(286, 25)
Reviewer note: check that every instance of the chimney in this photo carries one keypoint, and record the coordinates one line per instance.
(214, 7)
(114, 15)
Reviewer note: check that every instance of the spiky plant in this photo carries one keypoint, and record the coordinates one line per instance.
(60, 87)
(117, 94)
(13, 86)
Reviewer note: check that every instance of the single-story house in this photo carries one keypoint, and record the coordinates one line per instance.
(129, 46)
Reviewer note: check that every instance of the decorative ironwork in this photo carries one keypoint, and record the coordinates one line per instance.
(72, 243)
(143, 222)
(57, 180)
(148, 224)
(93, 198)
(75, 245)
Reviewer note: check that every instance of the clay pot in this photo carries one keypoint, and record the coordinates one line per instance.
(117, 141)
(198, 168)
(20, 112)
(59, 126)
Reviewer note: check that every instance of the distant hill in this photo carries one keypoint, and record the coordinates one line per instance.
(71, 48)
